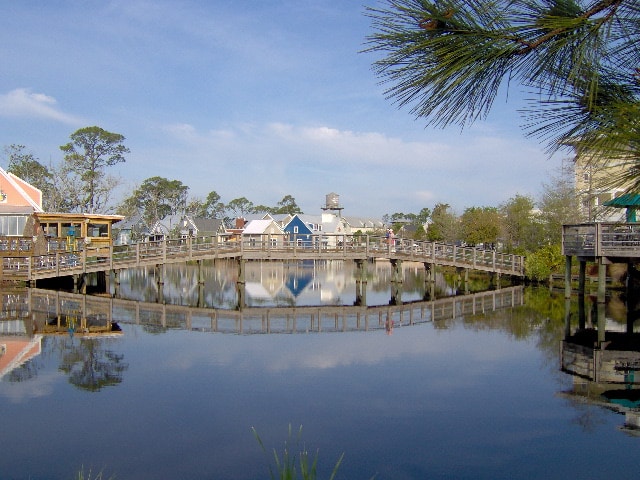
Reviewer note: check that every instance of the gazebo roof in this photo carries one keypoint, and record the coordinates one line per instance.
(624, 201)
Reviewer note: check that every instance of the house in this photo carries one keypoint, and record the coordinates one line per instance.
(18, 201)
(365, 226)
(326, 228)
(258, 232)
(168, 227)
(183, 226)
(298, 231)
(202, 227)
(595, 189)
(130, 230)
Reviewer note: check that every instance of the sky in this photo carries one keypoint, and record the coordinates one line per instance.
(255, 99)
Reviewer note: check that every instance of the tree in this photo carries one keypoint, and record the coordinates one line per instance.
(559, 206)
(444, 224)
(239, 207)
(158, 197)
(213, 207)
(423, 216)
(287, 205)
(26, 166)
(480, 225)
(519, 228)
(90, 151)
(447, 60)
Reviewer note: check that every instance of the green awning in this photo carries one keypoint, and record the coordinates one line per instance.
(624, 201)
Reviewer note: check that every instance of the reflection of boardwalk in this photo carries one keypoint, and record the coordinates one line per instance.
(48, 304)
(343, 247)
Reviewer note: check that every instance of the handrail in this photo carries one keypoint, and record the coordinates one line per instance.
(601, 240)
(356, 247)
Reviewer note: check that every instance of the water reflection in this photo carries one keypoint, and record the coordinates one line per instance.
(401, 389)
(285, 284)
(602, 353)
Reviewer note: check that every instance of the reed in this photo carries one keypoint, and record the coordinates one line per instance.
(91, 476)
(295, 461)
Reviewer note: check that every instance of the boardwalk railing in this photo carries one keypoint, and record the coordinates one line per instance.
(329, 247)
(601, 240)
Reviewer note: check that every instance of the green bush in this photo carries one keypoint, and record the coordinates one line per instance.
(544, 262)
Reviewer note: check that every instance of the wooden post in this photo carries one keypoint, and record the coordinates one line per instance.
(602, 280)
(581, 277)
(567, 276)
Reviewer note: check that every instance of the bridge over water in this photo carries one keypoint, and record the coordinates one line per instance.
(358, 248)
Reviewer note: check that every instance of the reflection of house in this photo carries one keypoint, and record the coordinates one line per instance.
(605, 366)
(264, 279)
(16, 345)
(619, 362)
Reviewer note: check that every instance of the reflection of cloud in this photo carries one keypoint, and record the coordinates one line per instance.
(326, 351)
(21, 102)
(42, 386)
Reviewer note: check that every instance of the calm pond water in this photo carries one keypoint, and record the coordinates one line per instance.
(470, 387)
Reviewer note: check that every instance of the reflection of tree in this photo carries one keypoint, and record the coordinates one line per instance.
(90, 366)
(24, 372)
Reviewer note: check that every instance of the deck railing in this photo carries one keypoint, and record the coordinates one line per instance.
(601, 240)
(274, 247)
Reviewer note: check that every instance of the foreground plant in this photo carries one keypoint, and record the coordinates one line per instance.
(90, 476)
(295, 459)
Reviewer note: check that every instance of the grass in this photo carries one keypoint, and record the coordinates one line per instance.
(294, 461)
(91, 476)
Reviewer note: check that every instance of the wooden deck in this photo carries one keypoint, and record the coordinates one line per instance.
(339, 247)
(612, 241)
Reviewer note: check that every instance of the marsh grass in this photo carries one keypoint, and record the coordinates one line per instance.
(91, 476)
(294, 461)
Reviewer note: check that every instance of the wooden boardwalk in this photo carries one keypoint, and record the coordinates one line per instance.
(602, 244)
(610, 241)
(45, 306)
(338, 247)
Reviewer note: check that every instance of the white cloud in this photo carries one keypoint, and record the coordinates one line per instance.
(21, 102)
(480, 167)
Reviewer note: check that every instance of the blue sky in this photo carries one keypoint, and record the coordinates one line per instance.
(259, 99)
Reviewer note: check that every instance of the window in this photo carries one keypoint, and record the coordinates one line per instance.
(295, 229)
(70, 230)
(98, 230)
(604, 197)
(50, 229)
(12, 225)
